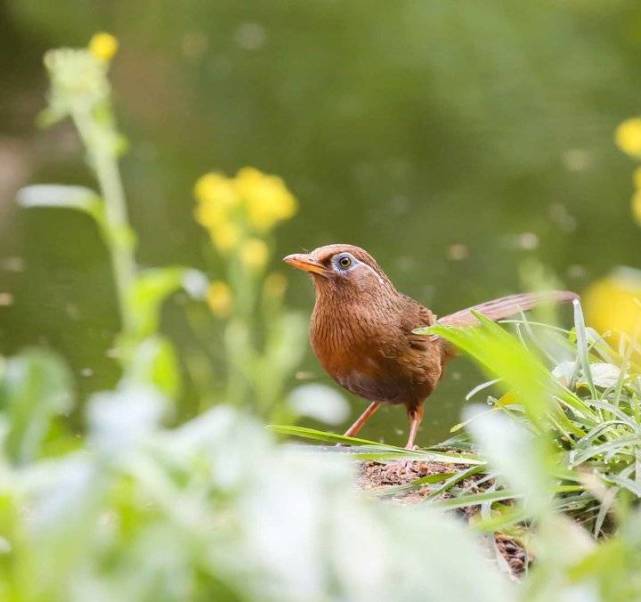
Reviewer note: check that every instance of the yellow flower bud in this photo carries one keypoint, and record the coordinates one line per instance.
(628, 136)
(103, 46)
(254, 253)
(219, 298)
(225, 236)
(259, 214)
(216, 189)
(614, 303)
(267, 199)
(210, 214)
(636, 206)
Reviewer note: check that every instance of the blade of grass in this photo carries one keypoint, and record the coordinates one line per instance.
(316, 435)
(617, 445)
(386, 490)
(477, 499)
(457, 478)
(369, 448)
(481, 387)
(604, 509)
(501, 520)
(624, 482)
(582, 345)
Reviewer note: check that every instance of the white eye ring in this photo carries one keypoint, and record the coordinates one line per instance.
(344, 262)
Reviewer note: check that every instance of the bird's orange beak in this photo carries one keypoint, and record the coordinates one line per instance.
(304, 262)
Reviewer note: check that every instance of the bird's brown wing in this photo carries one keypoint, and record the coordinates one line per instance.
(419, 356)
(505, 307)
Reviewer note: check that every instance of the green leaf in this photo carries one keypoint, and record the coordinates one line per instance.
(582, 346)
(503, 356)
(453, 480)
(507, 516)
(150, 290)
(34, 387)
(154, 362)
(476, 499)
(624, 482)
(62, 197)
(432, 479)
(316, 435)
(622, 445)
(366, 449)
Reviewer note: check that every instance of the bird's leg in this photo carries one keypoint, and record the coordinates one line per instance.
(416, 416)
(353, 430)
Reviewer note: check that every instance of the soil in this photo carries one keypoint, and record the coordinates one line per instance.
(377, 476)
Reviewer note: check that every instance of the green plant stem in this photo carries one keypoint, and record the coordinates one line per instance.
(117, 230)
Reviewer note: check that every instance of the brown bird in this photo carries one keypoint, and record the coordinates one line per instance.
(362, 330)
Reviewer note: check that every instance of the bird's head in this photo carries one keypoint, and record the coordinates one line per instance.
(342, 269)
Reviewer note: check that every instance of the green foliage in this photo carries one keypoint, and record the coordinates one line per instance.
(584, 408)
(154, 362)
(558, 451)
(215, 509)
(256, 373)
(34, 388)
(62, 197)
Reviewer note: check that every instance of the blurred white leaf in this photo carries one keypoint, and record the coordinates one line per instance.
(5, 545)
(315, 537)
(63, 495)
(564, 372)
(120, 419)
(320, 403)
(514, 453)
(605, 375)
(195, 283)
(57, 195)
(226, 439)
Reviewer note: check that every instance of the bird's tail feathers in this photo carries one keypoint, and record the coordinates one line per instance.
(504, 307)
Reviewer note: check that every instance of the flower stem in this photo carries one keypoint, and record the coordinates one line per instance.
(117, 232)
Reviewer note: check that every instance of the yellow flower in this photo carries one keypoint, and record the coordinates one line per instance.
(636, 177)
(225, 236)
(267, 199)
(254, 253)
(103, 46)
(636, 206)
(219, 298)
(628, 136)
(216, 189)
(613, 303)
(275, 285)
(210, 214)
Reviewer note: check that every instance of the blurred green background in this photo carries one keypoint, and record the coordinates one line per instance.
(453, 140)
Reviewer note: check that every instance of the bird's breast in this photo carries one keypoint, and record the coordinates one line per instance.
(374, 360)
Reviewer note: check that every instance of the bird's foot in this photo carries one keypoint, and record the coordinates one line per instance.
(407, 465)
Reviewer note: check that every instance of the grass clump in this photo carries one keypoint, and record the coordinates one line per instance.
(552, 460)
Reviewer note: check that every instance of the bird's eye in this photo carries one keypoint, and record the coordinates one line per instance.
(344, 261)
